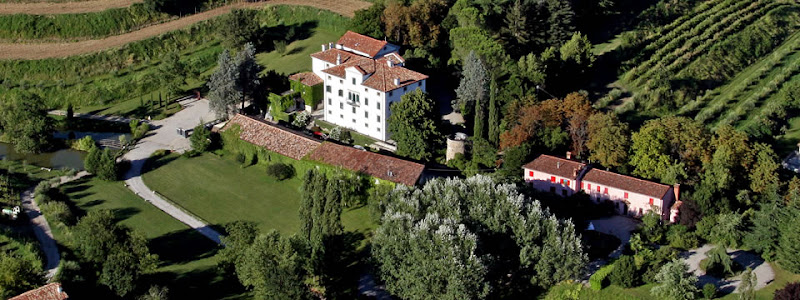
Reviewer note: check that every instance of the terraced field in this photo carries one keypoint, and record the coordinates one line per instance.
(736, 55)
(64, 49)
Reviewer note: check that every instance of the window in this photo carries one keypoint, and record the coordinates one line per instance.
(379, 105)
(341, 93)
(379, 119)
(354, 109)
(605, 191)
(365, 90)
(354, 120)
(581, 185)
(366, 101)
(328, 88)
(567, 182)
(341, 117)
(379, 129)
(405, 88)
(354, 80)
(330, 102)
(330, 112)
(329, 77)
(366, 114)
(530, 173)
(378, 93)
(366, 125)
(626, 195)
(553, 179)
(341, 81)
(390, 94)
(328, 66)
(651, 201)
(341, 105)
(590, 186)
(561, 181)
(598, 188)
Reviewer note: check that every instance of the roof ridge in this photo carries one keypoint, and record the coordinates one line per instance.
(628, 176)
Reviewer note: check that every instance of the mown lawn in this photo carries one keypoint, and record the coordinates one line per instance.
(188, 265)
(220, 191)
(297, 55)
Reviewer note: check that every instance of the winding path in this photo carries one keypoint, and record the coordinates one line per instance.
(763, 271)
(63, 49)
(42, 229)
(165, 137)
(53, 8)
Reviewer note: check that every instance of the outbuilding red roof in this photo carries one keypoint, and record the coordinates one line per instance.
(272, 138)
(51, 291)
(376, 165)
(362, 43)
(306, 78)
(628, 183)
(556, 166)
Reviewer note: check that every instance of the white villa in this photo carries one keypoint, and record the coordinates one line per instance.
(362, 77)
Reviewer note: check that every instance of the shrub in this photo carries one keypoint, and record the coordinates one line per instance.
(709, 290)
(790, 292)
(598, 280)
(84, 144)
(680, 237)
(302, 119)
(280, 171)
(624, 273)
(57, 211)
(140, 131)
(200, 138)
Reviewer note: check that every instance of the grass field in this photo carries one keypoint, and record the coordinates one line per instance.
(188, 265)
(220, 191)
(297, 59)
(43, 7)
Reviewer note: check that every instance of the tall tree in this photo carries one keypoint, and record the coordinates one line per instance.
(368, 21)
(516, 22)
(577, 111)
(472, 238)
(24, 121)
(764, 174)
(494, 113)
(609, 140)
(560, 19)
(239, 28)
(248, 79)
(172, 73)
(224, 93)
(669, 149)
(414, 124)
(19, 273)
(747, 289)
(474, 85)
(675, 282)
(273, 267)
(789, 243)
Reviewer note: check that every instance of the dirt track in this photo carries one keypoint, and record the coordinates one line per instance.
(51, 8)
(61, 49)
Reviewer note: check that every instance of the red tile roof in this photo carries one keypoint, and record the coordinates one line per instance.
(557, 166)
(272, 138)
(628, 183)
(306, 78)
(361, 43)
(48, 292)
(381, 75)
(330, 55)
(376, 165)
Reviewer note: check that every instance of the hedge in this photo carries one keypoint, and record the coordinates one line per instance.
(599, 279)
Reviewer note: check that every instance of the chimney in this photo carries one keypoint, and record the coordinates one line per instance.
(569, 154)
(677, 189)
(330, 46)
(389, 63)
(558, 165)
(397, 81)
(323, 47)
(338, 59)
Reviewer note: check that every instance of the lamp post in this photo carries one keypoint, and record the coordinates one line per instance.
(539, 88)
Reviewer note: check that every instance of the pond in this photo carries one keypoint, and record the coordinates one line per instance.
(64, 158)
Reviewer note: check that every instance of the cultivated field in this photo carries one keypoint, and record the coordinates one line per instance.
(52, 8)
(53, 50)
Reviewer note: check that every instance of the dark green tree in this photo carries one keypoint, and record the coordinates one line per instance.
(248, 78)
(718, 263)
(368, 21)
(92, 161)
(414, 125)
(24, 121)
(609, 140)
(239, 28)
(200, 138)
(273, 267)
(107, 168)
(624, 273)
(19, 273)
(764, 174)
(789, 244)
(560, 20)
(675, 282)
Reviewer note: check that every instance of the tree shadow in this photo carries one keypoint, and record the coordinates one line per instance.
(182, 246)
(287, 33)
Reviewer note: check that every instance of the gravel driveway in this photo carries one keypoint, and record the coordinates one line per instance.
(761, 269)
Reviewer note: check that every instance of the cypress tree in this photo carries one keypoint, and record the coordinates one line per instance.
(494, 114)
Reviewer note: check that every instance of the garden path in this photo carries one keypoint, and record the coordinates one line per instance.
(763, 271)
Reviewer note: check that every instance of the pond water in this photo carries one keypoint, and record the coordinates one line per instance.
(65, 158)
